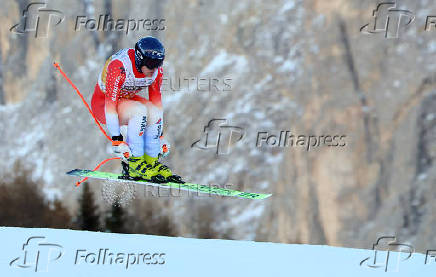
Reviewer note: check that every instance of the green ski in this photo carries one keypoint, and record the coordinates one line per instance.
(185, 186)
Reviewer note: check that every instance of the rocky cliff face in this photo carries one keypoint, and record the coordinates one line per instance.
(298, 66)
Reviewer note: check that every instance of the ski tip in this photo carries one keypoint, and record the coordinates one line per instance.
(77, 172)
(264, 196)
(71, 172)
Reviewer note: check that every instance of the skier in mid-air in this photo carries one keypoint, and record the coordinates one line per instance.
(116, 102)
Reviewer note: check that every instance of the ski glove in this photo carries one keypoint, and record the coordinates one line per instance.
(120, 148)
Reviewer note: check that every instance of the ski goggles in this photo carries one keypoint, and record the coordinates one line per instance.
(151, 63)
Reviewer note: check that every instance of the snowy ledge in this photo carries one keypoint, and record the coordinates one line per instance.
(55, 252)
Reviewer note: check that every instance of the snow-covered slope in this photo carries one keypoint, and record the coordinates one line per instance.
(78, 253)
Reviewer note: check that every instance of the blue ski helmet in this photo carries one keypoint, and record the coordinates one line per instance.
(150, 52)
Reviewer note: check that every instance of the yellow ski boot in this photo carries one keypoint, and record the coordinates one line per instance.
(149, 169)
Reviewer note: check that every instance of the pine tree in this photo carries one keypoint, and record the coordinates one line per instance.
(115, 220)
(89, 217)
(22, 203)
(148, 218)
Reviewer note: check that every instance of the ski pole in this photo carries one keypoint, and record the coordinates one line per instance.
(93, 116)
(83, 100)
(97, 167)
